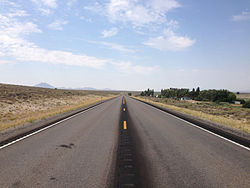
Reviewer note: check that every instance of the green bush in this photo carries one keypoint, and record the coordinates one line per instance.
(242, 101)
(217, 95)
(231, 97)
(129, 94)
(246, 105)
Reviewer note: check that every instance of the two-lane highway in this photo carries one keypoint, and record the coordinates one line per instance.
(155, 149)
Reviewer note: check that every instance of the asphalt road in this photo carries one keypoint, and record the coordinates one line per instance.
(176, 154)
(79, 152)
(82, 152)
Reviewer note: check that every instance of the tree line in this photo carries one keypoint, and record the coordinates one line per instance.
(214, 95)
(149, 92)
(179, 93)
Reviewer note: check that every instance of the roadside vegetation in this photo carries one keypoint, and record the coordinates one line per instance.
(21, 104)
(213, 105)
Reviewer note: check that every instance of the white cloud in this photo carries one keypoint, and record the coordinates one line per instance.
(23, 50)
(128, 68)
(12, 44)
(57, 24)
(18, 13)
(46, 3)
(137, 12)
(10, 27)
(113, 46)
(8, 3)
(172, 24)
(170, 42)
(45, 6)
(70, 3)
(109, 33)
(128, 11)
(244, 16)
(163, 5)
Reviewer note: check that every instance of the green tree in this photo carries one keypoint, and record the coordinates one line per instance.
(148, 92)
(231, 97)
(197, 92)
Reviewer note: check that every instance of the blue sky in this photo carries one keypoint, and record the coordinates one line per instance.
(126, 44)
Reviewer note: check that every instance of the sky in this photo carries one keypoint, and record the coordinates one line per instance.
(126, 44)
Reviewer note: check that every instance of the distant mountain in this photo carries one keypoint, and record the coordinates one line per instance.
(44, 85)
(62, 88)
(88, 88)
(106, 89)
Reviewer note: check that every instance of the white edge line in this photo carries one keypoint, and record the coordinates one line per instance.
(245, 147)
(43, 129)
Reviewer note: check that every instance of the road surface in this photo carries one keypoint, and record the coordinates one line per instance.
(79, 152)
(83, 152)
(180, 155)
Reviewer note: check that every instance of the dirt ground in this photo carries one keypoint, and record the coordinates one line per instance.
(245, 96)
(226, 114)
(22, 104)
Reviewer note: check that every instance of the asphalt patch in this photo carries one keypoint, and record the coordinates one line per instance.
(130, 167)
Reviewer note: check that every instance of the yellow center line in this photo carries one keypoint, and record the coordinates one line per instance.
(124, 125)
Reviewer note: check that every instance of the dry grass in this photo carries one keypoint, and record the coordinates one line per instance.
(226, 114)
(20, 104)
(245, 96)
